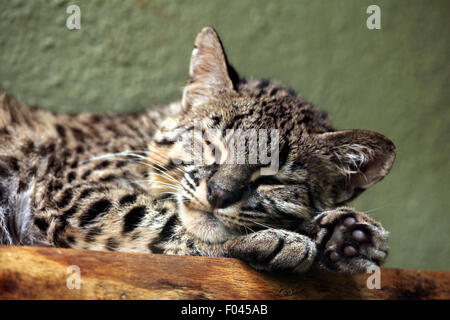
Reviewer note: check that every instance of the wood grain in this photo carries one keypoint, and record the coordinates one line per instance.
(41, 273)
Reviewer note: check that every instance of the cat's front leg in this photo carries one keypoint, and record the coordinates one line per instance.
(349, 241)
(273, 250)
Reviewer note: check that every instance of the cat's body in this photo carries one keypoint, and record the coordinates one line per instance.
(109, 182)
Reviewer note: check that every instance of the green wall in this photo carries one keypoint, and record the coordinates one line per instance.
(129, 55)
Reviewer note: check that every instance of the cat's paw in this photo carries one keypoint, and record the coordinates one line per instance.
(274, 250)
(350, 241)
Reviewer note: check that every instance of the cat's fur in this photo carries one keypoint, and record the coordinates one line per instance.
(67, 181)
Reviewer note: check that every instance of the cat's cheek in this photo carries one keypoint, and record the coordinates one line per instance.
(203, 225)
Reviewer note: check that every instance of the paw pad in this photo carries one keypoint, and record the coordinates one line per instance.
(345, 240)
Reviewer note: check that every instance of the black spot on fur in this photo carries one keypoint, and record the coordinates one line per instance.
(27, 147)
(41, 224)
(4, 171)
(95, 118)
(32, 171)
(74, 164)
(65, 198)
(62, 243)
(133, 218)
(71, 239)
(61, 131)
(50, 164)
(120, 164)
(130, 198)
(62, 223)
(69, 212)
(78, 134)
(164, 142)
(108, 178)
(45, 150)
(22, 186)
(71, 176)
(216, 120)
(12, 163)
(79, 149)
(112, 244)
(86, 174)
(166, 232)
(90, 236)
(264, 83)
(57, 185)
(85, 193)
(102, 165)
(97, 209)
(3, 195)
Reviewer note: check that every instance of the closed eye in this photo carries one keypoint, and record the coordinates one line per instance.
(267, 180)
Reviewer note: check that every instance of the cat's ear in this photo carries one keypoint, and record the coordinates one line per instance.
(361, 158)
(209, 71)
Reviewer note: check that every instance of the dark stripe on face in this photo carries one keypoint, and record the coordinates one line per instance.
(287, 216)
(194, 178)
(258, 207)
(133, 218)
(97, 209)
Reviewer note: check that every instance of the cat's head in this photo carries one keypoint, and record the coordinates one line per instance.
(245, 155)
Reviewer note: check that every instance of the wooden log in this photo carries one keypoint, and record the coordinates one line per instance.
(42, 273)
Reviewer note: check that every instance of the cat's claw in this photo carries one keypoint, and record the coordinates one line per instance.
(350, 241)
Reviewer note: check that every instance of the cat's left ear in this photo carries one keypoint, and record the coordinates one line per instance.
(361, 158)
(209, 73)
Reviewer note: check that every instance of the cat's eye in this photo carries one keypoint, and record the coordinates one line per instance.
(267, 180)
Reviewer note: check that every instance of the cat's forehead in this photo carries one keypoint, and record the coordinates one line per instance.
(261, 105)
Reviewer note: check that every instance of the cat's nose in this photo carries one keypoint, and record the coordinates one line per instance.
(220, 198)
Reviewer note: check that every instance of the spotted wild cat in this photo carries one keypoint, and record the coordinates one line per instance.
(111, 182)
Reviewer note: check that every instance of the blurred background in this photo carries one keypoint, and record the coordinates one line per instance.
(130, 55)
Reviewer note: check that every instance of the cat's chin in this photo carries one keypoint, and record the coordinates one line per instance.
(204, 225)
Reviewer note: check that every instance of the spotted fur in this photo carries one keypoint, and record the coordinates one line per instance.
(111, 182)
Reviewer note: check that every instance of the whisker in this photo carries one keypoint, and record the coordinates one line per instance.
(262, 224)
